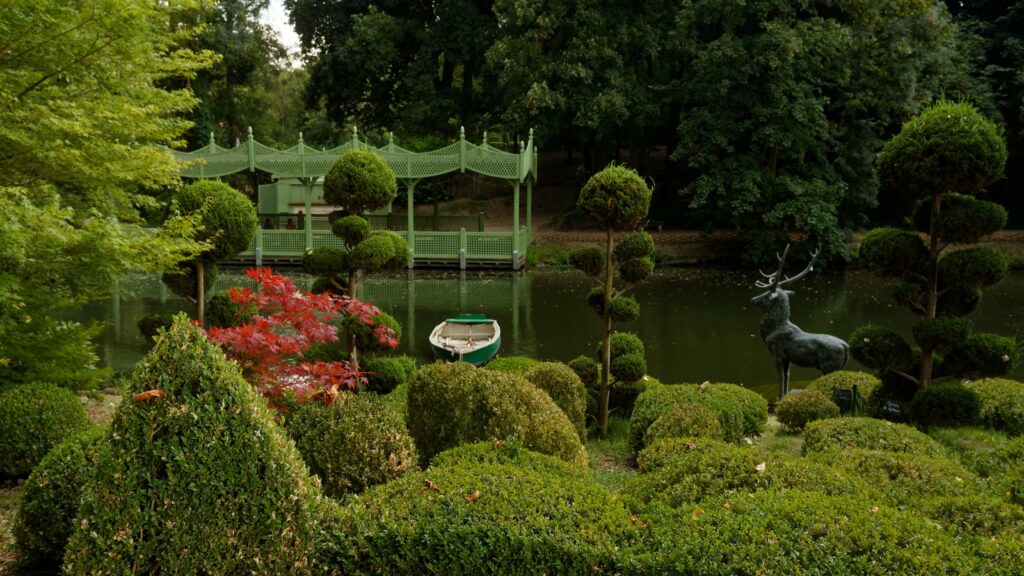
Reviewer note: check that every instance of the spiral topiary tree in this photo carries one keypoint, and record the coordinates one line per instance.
(940, 160)
(358, 181)
(228, 221)
(618, 199)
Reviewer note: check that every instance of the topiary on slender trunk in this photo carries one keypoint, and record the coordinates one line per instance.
(618, 199)
(358, 181)
(940, 159)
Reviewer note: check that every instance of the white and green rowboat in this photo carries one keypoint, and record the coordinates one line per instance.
(472, 338)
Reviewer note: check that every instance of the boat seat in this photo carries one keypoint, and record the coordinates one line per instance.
(465, 331)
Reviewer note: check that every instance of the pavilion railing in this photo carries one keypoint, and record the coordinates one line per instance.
(396, 222)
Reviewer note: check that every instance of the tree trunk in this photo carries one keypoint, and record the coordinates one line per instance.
(353, 350)
(201, 296)
(606, 349)
(932, 290)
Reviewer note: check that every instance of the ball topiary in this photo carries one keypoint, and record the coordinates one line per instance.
(941, 334)
(639, 244)
(357, 442)
(846, 433)
(324, 261)
(199, 474)
(753, 407)
(358, 181)
(566, 389)
(385, 373)
(616, 197)
(628, 367)
(977, 267)
(1002, 404)
(636, 270)
(228, 217)
(452, 404)
(685, 420)
(365, 334)
(223, 312)
(512, 364)
(33, 419)
(623, 309)
(49, 504)
(880, 348)
(796, 410)
(893, 252)
(483, 518)
(738, 412)
(845, 380)
(590, 261)
(352, 229)
(945, 404)
(153, 322)
(587, 369)
(982, 355)
(623, 343)
(963, 219)
(374, 253)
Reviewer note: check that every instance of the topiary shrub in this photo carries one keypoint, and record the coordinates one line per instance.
(359, 180)
(945, 404)
(977, 515)
(357, 442)
(740, 412)
(845, 380)
(483, 518)
(512, 364)
(869, 433)
(33, 419)
(223, 312)
(629, 367)
(796, 532)
(452, 404)
(797, 409)
(685, 420)
(151, 323)
(623, 394)
(509, 452)
(385, 373)
(364, 336)
(399, 399)
(587, 369)
(198, 473)
(566, 389)
(49, 504)
(982, 355)
(1002, 404)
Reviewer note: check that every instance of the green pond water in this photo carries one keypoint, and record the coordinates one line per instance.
(697, 323)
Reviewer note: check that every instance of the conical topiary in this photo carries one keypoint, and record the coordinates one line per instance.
(197, 477)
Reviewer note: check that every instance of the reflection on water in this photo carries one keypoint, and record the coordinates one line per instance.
(697, 324)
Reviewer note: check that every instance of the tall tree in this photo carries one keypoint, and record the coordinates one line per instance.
(81, 97)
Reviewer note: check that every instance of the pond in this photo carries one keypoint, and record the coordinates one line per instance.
(697, 323)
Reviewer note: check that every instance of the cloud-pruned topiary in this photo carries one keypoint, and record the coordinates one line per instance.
(49, 504)
(385, 373)
(940, 160)
(566, 389)
(196, 477)
(617, 199)
(33, 419)
(452, 404)
(356, 442)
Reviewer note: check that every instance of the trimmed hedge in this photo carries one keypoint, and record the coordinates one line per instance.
(197, 477)
(388, 372)
(151, 323)
(357, 442)
(505, 452)
(1002, 404)
(33, 419)
(945, 404)
(685, 420)
(846, 379)
(977, 515)
(49, 504)
(740, 412)
(512, 364)
(483, 518)
(795, 532)
(399, 399)
(566, 389)
(797, 409)
(452, 404)
(869, 433)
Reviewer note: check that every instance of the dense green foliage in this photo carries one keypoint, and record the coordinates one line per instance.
(1002, 404)
(740, 412)
(385, 373)
(452, 404)
(846, 380)
(796, 410)
(228, 218)
(566, 389)
(33, 419)
(358, 181)
(223, 312)
(868, 433)
(512, 364)
(508, 453)
(945, 404)
(46, 513)
(357, 442)
(941, 158)
(201, 474)
(587, 369)
(684, 420)
(153, 322)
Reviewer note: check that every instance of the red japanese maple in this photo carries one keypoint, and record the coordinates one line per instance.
(270, 346)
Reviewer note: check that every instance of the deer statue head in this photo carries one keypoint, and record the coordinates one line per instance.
(775, 295)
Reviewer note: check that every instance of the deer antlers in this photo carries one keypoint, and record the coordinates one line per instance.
(773, 278)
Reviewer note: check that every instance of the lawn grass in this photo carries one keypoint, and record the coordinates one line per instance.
(777, 438)
(610, 458)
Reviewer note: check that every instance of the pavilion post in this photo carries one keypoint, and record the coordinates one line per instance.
(529, 206)
(515, 225)
(410, 188)
(308, 189)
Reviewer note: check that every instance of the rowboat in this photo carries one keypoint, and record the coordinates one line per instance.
(472, 338)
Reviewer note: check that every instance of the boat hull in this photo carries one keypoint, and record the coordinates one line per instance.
(475, 357)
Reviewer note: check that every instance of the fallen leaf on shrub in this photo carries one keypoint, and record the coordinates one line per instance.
(875, 509)
(691, 446)
(958, 479)
(473, 496)
(727, 506)
(760, 467)
(429, 485)
(749, 441)
(148, 395)
(704, 386)
(697, 513)
(1006, 358)
(637, 522)
(496, 444)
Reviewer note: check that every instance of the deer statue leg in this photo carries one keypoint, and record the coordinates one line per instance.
(785, 378)
(782, 369)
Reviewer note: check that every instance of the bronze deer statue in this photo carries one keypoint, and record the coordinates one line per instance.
(786, 341)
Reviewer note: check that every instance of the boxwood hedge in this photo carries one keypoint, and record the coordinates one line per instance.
(1002, 404)
(844, 433)
(566, 389)
(845, 379)
(799, 408)
(740, 411)
(33, 419)
(685, 420)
